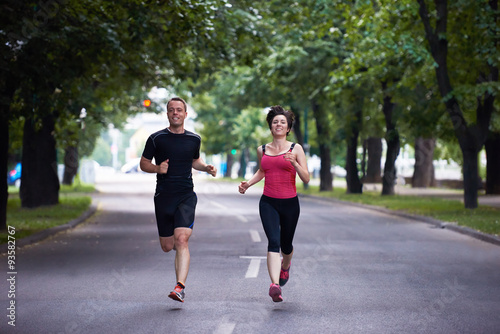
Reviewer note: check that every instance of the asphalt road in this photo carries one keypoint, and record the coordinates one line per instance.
(354, 271)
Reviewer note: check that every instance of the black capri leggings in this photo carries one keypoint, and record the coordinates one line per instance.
(279, 219)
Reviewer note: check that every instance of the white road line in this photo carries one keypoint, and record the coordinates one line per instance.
(252, 257)
(242, 218)
(220, 206)
(255, 236)
(223, 207)
(253, 268)
(225, 327)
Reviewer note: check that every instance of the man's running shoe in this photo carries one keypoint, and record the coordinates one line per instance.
(284, 275)
(275, 293)
(177, 294)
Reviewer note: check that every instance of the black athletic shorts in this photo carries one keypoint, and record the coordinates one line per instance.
(174, 211)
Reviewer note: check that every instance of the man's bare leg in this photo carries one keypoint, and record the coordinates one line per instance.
(167, 243)
(182, 256)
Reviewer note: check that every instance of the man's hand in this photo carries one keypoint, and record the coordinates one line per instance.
(211, 170)
(163, 167)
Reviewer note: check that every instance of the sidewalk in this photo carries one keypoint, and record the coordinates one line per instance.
(454, 194)
(491, 200)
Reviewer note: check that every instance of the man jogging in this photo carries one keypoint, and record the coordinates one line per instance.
(176, 151)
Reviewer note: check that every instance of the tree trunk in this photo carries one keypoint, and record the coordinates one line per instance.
(354, 185)
(423, 174)
(492, 146)
(325, 173)
(363, 161)
(71, 164)
(10, 85)
(39, 180)
(471, 172)
(243, 162)
(373, 169)
(4, 153)
(393, 146)
(229, 164)
(297, 128)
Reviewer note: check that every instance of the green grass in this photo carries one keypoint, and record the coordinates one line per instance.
(485, 218)
(76, 188)
(73, 202)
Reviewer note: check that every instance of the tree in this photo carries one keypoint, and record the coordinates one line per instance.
(374, 65)
(471, 134)
(323, 131)
(51, 54)
(492, 146)
(423, 175)
(373, 146)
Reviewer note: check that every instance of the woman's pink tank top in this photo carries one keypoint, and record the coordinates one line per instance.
(279, 175)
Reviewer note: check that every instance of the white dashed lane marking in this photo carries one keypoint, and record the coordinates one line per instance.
(255, 236)
(254, 266)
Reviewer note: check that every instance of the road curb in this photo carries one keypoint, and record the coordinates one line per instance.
(438, 223)
(39, 236)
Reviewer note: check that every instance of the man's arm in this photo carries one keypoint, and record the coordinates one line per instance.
(148, 167)
(200, 165)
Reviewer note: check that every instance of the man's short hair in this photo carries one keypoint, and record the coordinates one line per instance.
(177, 99)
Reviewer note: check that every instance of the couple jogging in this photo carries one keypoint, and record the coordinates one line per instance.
(176, 151)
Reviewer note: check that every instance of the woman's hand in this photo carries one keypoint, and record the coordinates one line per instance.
(289, 156)
(244, 185)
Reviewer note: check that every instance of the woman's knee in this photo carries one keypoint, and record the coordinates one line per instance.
(273, 246)
(287, 249)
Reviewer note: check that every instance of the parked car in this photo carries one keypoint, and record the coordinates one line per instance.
(14, 176)
(132, 166)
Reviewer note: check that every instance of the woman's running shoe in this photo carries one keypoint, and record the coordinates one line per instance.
(177, 294)
(284, 275)
(275, 293)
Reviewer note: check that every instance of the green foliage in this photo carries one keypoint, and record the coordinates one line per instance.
(236, 57)
(251, 128)
(102, 152)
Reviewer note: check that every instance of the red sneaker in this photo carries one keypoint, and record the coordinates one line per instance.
(275, 293)
(177, 294)
(284, 275)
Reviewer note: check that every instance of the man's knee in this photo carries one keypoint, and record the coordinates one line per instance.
(181, 238)
(167, 244)
(167, 248)
(181, 241)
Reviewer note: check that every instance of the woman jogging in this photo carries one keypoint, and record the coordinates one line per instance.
(279, 208)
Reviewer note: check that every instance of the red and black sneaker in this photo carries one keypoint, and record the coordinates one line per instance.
(284, 275)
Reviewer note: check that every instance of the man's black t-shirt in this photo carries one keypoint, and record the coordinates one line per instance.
(180, 149)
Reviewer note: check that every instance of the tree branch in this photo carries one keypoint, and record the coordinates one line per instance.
(431, 36)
